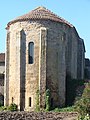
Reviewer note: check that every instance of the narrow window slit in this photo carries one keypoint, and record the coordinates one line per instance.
(29, 101)
(31, 53)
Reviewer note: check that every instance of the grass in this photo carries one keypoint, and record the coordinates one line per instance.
(67, 109)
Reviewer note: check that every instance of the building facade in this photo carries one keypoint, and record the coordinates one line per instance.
(42, 50)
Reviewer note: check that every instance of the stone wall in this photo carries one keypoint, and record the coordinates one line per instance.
(87, 68)
(42, 65)
(37, 116)
(51, 61)
(81, 59)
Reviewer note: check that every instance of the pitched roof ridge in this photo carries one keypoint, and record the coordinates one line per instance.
(61, 18)
(40, 7)
(40, 13)
(44, 8)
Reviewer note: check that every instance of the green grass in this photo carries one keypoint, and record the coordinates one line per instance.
(67, 109)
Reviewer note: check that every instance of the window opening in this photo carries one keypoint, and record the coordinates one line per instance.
(29, 101)
(31, 53)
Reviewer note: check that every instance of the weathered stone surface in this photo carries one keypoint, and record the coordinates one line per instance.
(37, 116)
(55, 58)
(87, 68)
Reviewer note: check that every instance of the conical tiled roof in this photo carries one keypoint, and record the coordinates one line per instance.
(38, 14)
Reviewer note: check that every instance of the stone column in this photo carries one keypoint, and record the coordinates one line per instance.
(82, 58)
(18, 70)
(6, 83)
(61, 68)
(42, 66)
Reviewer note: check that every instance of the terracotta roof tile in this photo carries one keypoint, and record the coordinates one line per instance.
(2, 57)
(40, 13)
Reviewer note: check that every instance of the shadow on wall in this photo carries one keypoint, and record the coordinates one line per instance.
(22, 69)
(87, 68)
(72, 90)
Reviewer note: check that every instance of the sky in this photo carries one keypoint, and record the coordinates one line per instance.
(77, 12)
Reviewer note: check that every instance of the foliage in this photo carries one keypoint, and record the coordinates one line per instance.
(83, 105)
(12, 107)
(86, 117)
(0, 104)
(47, 100)
(3, 108)
(37, 101)
(67, 109)
(47, 92)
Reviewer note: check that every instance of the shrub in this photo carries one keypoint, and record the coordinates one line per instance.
(83, 105)
(12, 107)
(86, 117)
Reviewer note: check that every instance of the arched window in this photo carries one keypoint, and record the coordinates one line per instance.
(31, 53)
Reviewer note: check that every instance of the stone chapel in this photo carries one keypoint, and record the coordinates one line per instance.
(42, 49)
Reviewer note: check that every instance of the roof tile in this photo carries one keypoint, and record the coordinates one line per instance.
(40, 13)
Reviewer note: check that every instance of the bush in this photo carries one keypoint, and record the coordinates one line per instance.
(86, 117)
(83, 105)
(12, 107)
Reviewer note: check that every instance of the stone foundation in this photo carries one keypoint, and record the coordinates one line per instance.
(37, 116)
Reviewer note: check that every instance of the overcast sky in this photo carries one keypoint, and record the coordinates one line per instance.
(77, 12)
